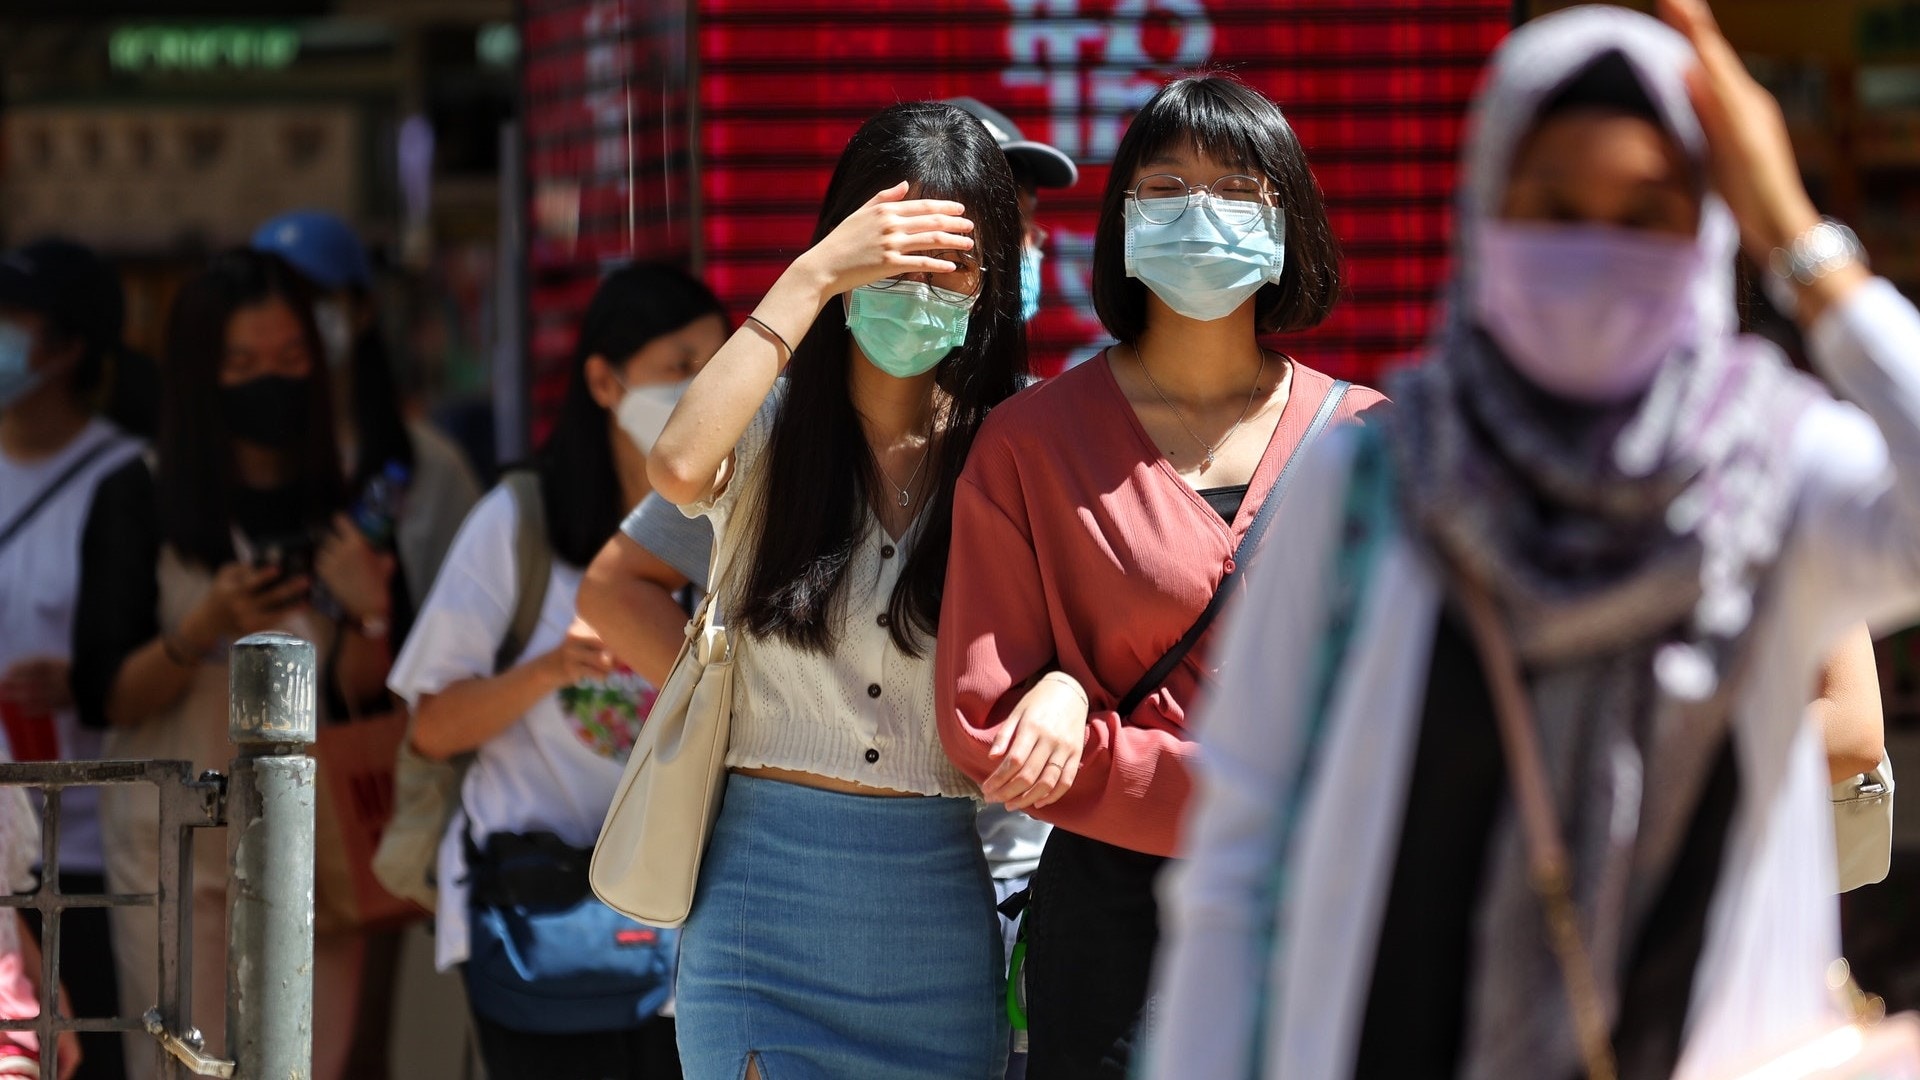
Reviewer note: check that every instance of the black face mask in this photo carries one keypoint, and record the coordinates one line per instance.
(270, 410)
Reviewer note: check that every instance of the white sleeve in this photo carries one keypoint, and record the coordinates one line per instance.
(1215, 907)
(458, 630)
(1860, 462)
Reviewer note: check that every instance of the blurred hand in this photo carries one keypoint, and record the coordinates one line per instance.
(243, 600)
(580, 658)
(357, 575)
(37, 684)
(1039, 746)
(1752, 156)
(880, 240)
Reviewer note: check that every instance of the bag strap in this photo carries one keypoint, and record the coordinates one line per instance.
(39, 502)
(1156, 676)
(533, 566)
(1546, 850)
(728, 544)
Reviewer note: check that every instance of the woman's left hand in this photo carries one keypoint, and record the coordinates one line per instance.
(1752, 155)
(1039, 745)
(356, 574)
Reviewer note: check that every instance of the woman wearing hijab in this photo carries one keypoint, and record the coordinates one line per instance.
(1673, 529)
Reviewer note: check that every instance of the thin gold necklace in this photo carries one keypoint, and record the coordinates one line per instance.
(1204, 444)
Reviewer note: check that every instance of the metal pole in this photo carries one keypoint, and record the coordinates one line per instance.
(270, 842)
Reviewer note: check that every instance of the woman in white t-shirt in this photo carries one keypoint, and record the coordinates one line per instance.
(549, 734)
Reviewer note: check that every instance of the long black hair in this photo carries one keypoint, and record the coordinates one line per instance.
(373, 406)
(1235, 124)
(633, 306)
(196, 476)
(820, 475)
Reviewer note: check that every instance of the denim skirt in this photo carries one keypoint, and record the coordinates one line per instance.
(840, 936)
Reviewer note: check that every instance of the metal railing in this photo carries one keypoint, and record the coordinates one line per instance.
(266, 803)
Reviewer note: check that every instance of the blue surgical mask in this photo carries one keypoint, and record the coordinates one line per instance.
(908, 327)
(1030, 258)
(17, 377)
(1201, 265)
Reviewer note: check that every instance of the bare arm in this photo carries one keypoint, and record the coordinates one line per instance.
(470, 712)
(361, 580)
(1848, 708)
(627, 597)
(690, 461)
(155, 676)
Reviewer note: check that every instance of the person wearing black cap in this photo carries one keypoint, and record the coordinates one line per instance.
(1035, 165)
(60, 318)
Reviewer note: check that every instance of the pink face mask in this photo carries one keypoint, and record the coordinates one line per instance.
(1585, 312)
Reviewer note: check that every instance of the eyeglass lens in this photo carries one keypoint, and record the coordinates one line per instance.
(1240, 197)
(963, 281)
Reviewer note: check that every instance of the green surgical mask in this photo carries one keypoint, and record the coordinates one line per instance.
(907, 327)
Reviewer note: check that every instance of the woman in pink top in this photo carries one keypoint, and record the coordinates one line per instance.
(1097, 516)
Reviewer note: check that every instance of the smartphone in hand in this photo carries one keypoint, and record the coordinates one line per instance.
(291, 556)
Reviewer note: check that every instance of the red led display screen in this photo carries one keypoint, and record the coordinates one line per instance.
(738, 111)
(607, 97)
(1376, 91)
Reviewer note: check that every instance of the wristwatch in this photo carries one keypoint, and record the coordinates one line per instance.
(1821, 250)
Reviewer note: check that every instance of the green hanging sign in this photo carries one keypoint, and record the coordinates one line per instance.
(238, 47)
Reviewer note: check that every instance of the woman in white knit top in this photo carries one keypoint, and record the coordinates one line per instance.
(844, 921)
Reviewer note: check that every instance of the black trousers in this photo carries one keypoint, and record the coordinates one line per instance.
(86, 967)
(1092, 925)
(643, 1053)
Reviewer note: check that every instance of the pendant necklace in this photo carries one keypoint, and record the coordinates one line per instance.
(906, 493)
(1205, 446)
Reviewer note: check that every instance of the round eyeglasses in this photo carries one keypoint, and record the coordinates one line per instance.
(1163, 197)
(960, 283)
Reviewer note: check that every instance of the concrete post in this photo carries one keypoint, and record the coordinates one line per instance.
(270, 801)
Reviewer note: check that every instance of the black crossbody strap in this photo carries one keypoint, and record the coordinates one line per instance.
(32, 510)
(1156, 676)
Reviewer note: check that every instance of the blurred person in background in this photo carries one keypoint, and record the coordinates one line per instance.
(407, 463)
(659, 552)
(552, 731)
(235, 525)
(377, 440)
(20, 960)
(60, 325)
(1670, 531)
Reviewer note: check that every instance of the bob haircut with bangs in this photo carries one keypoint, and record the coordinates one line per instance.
(1226, 120)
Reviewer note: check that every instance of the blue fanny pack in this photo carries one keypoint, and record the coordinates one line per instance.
(546, 956)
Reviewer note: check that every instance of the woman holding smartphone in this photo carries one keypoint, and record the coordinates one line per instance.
(233, 526)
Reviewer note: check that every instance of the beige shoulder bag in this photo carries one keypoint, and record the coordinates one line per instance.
(1872, 1045)
(647, 861)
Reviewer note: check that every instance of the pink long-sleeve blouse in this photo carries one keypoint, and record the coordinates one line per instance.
(1077, 547)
